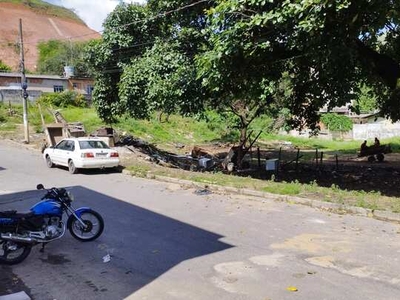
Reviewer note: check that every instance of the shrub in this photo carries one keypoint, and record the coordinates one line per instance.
(337, 122)
(64, 99)
(4, 67)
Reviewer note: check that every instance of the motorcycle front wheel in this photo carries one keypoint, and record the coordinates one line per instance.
(12, 253)
(93, 229)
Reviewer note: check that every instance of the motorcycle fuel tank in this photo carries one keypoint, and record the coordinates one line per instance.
(47, 207)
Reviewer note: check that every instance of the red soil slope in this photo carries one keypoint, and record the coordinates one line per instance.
(36, 28)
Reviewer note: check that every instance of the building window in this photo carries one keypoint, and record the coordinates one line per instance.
(75, 85)
(58, 88)
(89, 89)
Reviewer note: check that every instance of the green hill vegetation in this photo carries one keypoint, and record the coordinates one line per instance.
(47, 9)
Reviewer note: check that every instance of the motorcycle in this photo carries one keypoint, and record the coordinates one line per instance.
(19, 232)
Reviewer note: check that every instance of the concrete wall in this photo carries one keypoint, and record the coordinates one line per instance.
(15, 96)
(380, 130)
(10, 86)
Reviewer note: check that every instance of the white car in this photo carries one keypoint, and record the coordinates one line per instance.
(81, 153)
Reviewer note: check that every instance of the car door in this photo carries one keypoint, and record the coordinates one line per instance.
(58, 151)
(66, 152)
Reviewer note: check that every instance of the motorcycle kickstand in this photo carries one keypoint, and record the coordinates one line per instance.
(42, 249)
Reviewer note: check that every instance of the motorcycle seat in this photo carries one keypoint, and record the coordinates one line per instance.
(8, 213)
(14, 214)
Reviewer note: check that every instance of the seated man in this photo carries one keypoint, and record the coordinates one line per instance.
(364, 146)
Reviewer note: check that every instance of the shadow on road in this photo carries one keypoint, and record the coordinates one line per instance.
(143, 245)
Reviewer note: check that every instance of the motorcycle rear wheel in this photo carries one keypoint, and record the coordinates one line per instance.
(12, 253)
(94, 226)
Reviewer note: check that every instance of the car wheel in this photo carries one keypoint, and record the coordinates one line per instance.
(49, 163)
(71, 167)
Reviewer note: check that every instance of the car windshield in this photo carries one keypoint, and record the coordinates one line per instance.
(93, 145)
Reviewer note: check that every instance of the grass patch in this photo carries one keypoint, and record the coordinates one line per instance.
(191, 131)
(370, 200)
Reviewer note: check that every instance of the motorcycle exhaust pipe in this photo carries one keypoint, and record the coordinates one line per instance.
(14, 238)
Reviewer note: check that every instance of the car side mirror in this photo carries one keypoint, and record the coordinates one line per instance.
(40, 187)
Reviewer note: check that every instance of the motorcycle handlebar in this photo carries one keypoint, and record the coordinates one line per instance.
(55, 192)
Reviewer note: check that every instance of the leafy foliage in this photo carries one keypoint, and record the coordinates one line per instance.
(55, 54)
(64, 99)
(162, 79)
(4, 67)
(366, 102)
(250, 57)
(337, 122)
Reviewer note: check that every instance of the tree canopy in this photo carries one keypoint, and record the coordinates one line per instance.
(54, 55)
(247, 56)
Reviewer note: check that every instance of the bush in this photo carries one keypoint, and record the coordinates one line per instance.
(64, 99)
(4, 67)
(337, 122)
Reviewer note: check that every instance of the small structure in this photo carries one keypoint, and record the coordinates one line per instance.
(62, 129)
(107, 134)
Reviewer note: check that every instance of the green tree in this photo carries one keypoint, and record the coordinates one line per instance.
(128, 32)
(366, 101)
(162, 79)
(252, 56)
(54, 55)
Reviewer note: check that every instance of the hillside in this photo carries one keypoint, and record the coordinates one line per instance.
(40, 22)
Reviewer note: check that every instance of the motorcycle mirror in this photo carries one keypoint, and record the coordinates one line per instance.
(40, 187)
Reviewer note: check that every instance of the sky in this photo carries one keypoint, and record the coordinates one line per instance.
(92, 12)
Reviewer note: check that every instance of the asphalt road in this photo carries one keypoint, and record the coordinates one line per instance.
(167, 242)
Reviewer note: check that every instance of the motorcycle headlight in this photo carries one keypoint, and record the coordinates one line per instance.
(70, 196)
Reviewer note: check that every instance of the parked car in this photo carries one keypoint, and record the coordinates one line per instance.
(81, 153)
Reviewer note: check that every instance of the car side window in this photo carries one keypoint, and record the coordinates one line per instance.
(70, 146)
(61, 145)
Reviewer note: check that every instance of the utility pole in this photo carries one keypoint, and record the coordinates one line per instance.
(24, 84)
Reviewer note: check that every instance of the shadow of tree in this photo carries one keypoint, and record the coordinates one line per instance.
(347, 173)
(143, 245)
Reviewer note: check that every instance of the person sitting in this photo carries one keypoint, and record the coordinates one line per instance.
(377, 143)
(364, 146)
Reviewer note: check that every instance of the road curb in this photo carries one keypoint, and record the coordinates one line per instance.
(326, 206)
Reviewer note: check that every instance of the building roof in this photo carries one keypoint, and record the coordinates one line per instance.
(38, 76)
(4, 74)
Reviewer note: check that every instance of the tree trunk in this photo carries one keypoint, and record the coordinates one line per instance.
(242, 145)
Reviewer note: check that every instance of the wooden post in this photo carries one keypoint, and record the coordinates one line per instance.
(297, 159)
(337, 162)
(316, 157)
(259, 157)
(320, 162)
(41, 116)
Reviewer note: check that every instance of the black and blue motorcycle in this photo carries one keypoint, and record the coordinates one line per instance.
(44, 223)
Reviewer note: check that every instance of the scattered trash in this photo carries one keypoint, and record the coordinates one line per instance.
(202, 192)
(292, 289)
(106, 258)
(311, 272)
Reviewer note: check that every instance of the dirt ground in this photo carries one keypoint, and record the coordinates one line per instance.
(36, 28)
(349, 172)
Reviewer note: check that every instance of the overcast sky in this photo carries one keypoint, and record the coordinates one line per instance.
(92, 12)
